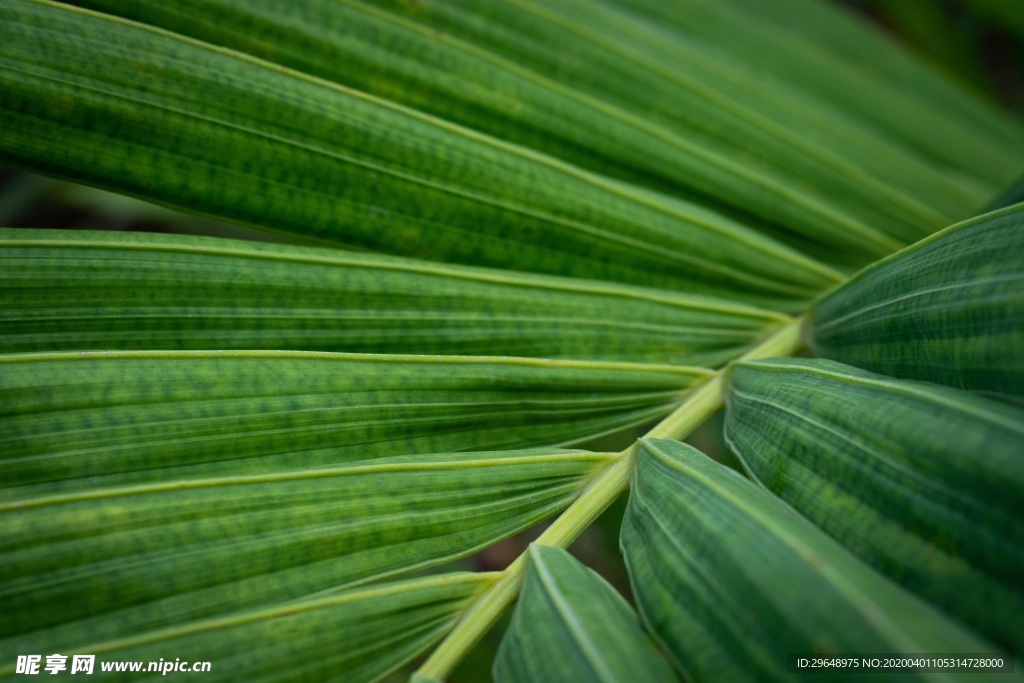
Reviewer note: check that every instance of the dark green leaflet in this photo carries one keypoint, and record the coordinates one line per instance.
(373, 630)
(1012, 194)
(163, 553)
(949, 309)
(705, 96)
(858, 76)
(634, 104)
(103, 418)
(741, 127)
(708, 95)
(571, 625)
(212, 131)
(731, 581)
(74, 290)
(924, 482)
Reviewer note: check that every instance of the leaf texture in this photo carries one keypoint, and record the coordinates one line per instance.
(853, 72)
(232, 505)
(571, 625)
(112, 560)
(949, 309)
(357, 635)
(924, 482)
(216, 132)
(732, 582)
(78, 420)
(620, 96)
(74, 290)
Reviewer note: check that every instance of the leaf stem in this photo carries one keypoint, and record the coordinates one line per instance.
(698, 407)
(485, 612)
(482, 614)
(708, 398)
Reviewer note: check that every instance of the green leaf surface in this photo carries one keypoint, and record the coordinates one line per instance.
(734, 126)
(857, 74)
(659, 183)
(732, 582)
(934, 32)
(924, 482)
(111, 560)
(357, 635)
(618, 96)
(949, 309)
(136, 109)
(73, 290)
(571, 625)
(79, 420)
(1012, 194)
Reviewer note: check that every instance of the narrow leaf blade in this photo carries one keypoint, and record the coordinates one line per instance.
(104, 418)
(213, 131)
(74, 290)
(357, 635)
(949, 309)
(118, 559)
(732, 582)
(571, 625)
(856, 72)
(635, 102)
(923, 482)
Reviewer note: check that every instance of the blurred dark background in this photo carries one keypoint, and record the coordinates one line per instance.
(978, 43)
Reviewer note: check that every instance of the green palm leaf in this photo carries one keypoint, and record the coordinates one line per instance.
(219, 449)
(852, 72)
(148, 556)
(101, 419)
(924, 482)
(570, 625)
(261, 145)
(74, 290)
(949, 309)
(733, 583)
(382, 627)
(634, 104)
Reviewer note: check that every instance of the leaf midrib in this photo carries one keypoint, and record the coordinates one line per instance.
(500, 277)
(326, 473)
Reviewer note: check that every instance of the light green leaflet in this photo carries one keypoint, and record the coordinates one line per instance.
(373, 631)
(78, 420)
(110, 561)
(207, 129)
(924, 482)
(74, 290)
(571, 625)
(732, 582)
(949, 309)
(633, 103)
